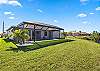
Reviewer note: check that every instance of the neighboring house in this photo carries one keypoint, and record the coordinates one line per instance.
(85, 34)
(38, 31)
(78, 34)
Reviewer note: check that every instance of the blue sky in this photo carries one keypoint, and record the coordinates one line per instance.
(79, 15)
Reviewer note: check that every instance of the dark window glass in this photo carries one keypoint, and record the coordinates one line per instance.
(45, 33)
(37, 32)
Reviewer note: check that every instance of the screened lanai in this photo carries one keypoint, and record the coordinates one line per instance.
(40, 31)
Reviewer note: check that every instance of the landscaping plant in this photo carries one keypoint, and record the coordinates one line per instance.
(20, 36)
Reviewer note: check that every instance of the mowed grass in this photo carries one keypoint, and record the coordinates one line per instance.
(78, 55)
(6, 44)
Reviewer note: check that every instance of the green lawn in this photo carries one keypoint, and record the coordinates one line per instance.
(78, 55)
(6, 44)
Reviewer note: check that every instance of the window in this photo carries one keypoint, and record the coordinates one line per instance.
(37, 32)
(45, 33)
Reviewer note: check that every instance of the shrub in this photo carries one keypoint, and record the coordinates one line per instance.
(95, 36)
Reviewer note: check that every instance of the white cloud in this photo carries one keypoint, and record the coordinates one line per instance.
(84, 22)
(3, 1)
(83, 1)
(82, 15)
(56, 21)
(14, 3)
(91, 13)
(11, 2)
(98, 8)
(11, 17)
(39, 10)
(12, 14)
(8, 13)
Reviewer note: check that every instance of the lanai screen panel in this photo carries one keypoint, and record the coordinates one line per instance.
(50, 29)
(40, 26)
(28, 26)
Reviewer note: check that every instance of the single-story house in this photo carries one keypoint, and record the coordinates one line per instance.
(39, 31)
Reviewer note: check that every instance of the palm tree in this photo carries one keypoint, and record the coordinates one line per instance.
(21, 35)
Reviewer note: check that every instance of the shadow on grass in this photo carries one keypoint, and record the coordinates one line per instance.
(37, 45)
(9, 40)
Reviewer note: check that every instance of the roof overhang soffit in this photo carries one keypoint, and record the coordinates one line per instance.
(39, 27)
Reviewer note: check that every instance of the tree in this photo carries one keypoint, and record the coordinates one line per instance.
(21, 35)
(64, 33)
(80, 31)
(95, 36)
(70, 33)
